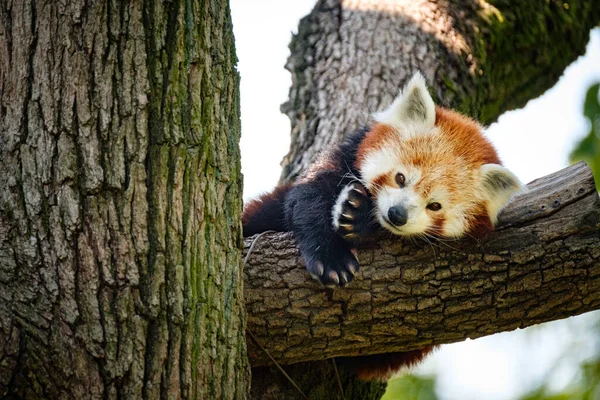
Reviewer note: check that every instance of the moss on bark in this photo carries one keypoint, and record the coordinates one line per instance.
(120, 234)
(350, 57)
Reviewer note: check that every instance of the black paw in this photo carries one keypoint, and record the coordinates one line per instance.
(333, 264)
(351, 214)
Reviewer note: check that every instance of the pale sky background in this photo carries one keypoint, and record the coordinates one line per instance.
(532, 142)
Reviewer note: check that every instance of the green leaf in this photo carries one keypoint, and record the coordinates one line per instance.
(588, 149)
(410, 387)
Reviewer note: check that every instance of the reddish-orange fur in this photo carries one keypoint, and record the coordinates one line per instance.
(451, 160)
(481, 224)
(438, 225)
(465, 149)
(382, 366)
(465, 132)
(428, 172)
(477, 150)
(380, 181)
(378, 136)
(461, 149)
(266, 211)
(255, 205)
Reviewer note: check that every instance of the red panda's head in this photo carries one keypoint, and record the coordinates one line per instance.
(431, 170)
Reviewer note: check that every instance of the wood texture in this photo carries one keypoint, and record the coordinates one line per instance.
(350, 58)
(120, 201)
(541, 264)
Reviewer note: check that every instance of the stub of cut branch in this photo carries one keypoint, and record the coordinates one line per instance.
(542, 263)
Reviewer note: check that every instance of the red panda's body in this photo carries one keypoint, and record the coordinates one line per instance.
(417, 171)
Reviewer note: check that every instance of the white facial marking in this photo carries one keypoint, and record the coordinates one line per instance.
(377, 163)
(455, 223)
(387, 197)
(418, 220)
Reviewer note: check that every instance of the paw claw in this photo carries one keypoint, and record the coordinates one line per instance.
(319, 268)
(344, 278)
(359, 189)
(352, 269)
(334, 277)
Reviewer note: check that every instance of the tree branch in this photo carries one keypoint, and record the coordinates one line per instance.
(482, 58)
(542, 263)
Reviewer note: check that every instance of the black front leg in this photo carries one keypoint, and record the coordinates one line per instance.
(309, 208)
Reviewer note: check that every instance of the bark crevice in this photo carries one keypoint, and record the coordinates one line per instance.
(541, 264)
(113, 228)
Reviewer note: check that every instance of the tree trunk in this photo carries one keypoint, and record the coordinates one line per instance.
(350, 57)
(542, 263)
(120, 201)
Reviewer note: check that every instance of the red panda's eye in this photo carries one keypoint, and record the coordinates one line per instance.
(434, 206)
(400, 179)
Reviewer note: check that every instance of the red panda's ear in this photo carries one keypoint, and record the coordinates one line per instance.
(498, 185)
(413, 110)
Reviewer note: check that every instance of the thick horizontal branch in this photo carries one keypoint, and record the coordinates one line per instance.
(542, 263)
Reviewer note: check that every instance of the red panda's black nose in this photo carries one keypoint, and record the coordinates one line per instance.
(398, 215)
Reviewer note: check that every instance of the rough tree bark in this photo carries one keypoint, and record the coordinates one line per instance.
(120, 201)
(542, 263)
(350, 57)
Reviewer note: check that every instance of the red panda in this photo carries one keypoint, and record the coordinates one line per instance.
(418, 170)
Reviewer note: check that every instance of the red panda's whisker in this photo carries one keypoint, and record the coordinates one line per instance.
(424, 236)
(396, 142)
(450, 247)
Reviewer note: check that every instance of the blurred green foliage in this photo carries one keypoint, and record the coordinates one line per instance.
(585, 386)
(588, 149)
(411, 387)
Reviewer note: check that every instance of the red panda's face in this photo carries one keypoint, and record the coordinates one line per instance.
(431, 171)
(420, 186)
